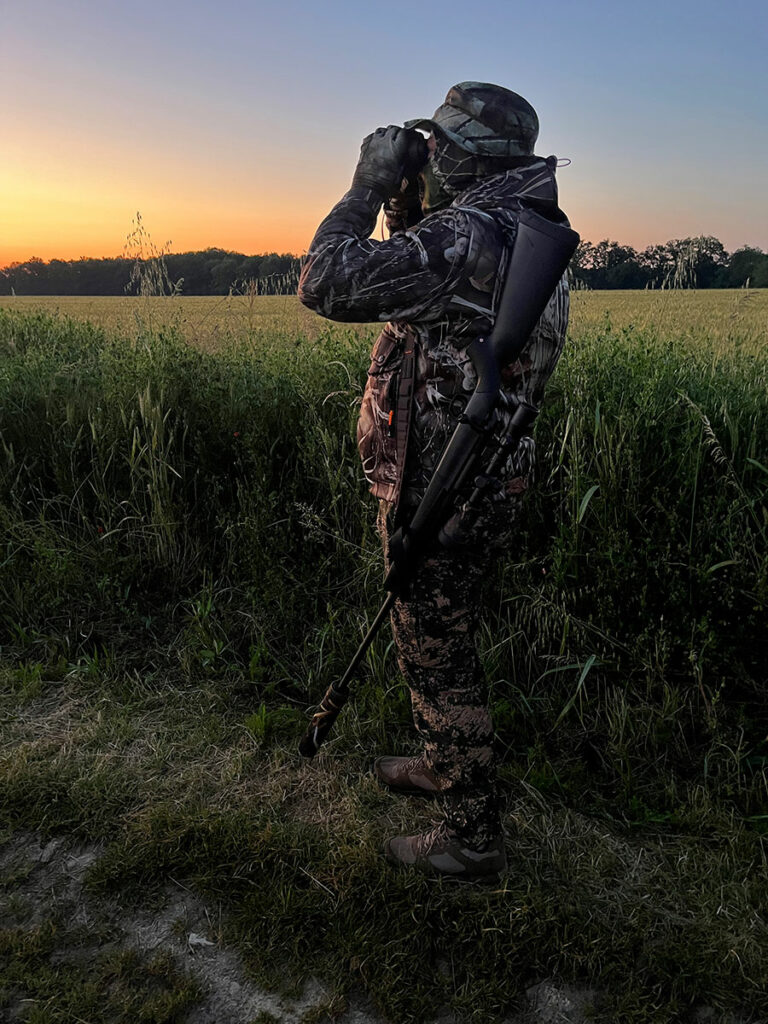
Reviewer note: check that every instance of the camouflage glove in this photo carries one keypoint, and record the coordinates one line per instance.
(403, 210)
(387, 157)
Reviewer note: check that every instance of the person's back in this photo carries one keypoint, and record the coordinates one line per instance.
(437, 281)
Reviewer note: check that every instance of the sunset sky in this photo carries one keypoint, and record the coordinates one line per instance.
(237, 124)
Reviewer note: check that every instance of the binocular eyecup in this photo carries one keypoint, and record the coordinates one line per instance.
(417, 153)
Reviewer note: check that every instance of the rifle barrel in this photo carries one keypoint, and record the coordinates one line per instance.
(337, 694)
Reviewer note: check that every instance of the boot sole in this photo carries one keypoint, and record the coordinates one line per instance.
(402, 791)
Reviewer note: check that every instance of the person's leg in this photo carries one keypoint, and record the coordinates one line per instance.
(434, 635)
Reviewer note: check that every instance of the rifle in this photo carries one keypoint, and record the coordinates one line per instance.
(539, 257)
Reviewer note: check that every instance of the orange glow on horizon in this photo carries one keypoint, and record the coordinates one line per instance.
(41, 231)
(96, 249)
(55, 206)
(69, 218)
(49, 224)
(67, 214)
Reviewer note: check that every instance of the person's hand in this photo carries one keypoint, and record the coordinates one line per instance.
(403, 210)
(387, 157)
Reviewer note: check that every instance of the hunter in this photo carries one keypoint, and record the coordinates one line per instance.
(435, 283)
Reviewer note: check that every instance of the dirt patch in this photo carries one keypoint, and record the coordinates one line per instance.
(45, 877)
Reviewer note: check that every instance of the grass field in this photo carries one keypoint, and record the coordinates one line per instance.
(208, 321)
(189, 558)
(736, 316)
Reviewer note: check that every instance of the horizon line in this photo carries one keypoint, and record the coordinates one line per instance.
(295, 255)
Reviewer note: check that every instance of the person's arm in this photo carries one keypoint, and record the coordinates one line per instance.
(351, 277)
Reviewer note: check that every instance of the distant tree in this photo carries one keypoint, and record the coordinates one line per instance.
(194, 269)
(656, 261)
(748, 265)
(580, 263)
(698, 262)
(224, 273)
(30, 277)
(608, 265)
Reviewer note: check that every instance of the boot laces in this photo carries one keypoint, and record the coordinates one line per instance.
(427, 841)
(416, 763)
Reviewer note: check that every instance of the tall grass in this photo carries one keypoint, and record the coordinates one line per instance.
(135, 474)
(181, 521)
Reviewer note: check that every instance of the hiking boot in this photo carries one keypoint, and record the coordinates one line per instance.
(440, 852)
(406, 775)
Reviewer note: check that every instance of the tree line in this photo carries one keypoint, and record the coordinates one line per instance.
(206, 272)
(700, 262)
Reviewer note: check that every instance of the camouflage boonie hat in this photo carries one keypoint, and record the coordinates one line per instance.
(485, 119)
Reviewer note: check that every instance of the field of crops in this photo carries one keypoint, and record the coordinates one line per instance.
(189, 557)
(736, 316)
(204, 320)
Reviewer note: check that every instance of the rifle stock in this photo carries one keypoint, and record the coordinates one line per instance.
(538, 260)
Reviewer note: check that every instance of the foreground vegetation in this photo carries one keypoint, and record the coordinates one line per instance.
(189, 557)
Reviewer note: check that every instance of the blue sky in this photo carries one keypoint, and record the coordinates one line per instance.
(238, 124)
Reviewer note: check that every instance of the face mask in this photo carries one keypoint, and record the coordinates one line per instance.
(433, 195)
(448, 172)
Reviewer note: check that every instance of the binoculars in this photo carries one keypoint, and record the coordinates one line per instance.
(417, 153)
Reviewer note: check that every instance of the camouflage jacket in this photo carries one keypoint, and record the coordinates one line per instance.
(437, 284)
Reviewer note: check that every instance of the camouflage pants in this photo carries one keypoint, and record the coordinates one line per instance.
(434, 631)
